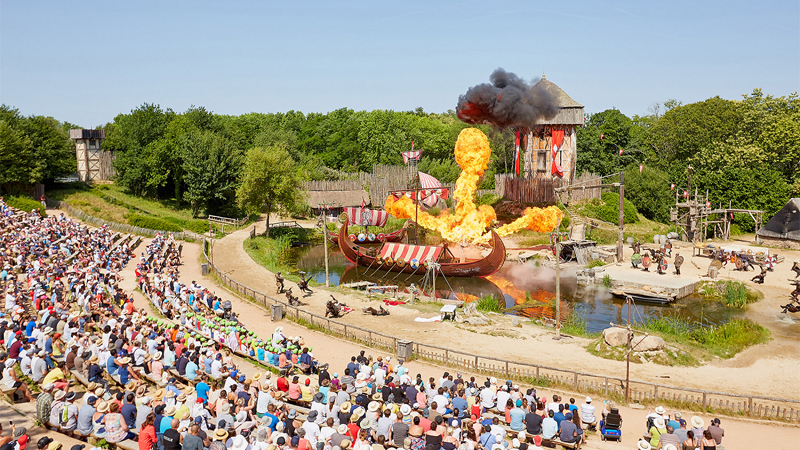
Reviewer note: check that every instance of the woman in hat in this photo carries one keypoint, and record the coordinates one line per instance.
(98, 419)
(11, 381)
(657, 430)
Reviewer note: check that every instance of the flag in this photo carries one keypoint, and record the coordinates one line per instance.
(685, 194)
(672, 187)
(602, 135)
(363, 203)
(412, 146)
(516, 155)
(640, 168)
(620, 151)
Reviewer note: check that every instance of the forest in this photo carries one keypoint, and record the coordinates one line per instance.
(746, 152)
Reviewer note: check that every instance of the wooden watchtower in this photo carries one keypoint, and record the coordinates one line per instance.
(94, 164)
(538, 140)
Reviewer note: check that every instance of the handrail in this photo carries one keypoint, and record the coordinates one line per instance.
(793, 414)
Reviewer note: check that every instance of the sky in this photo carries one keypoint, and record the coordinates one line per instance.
(85, 62)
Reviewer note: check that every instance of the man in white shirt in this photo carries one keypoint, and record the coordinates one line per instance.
(587, 412)
(502, 397)
(312, 429)
(487, 398)
(441, 402)
(264, 399)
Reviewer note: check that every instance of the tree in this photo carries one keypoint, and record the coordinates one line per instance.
(52, 146)
(211, 166)
(602, 137)
(18, 164)
(268, 182)
(649, 191)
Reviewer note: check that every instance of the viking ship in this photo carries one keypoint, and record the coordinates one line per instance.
(406, 258)
(367, 217)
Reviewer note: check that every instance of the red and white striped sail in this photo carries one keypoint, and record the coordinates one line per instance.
(430, 194)
(366, 217)
(421, 253)
(415, 155)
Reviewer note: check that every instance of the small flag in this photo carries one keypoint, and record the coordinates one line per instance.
(685, 194)
(412, 146)
(602, 135)
(708, 204)
(672, 187)
(640, 168)
(363, 203)
(620, 151)
(516, 155)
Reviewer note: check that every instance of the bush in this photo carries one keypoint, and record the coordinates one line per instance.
(26, 204)
(199, 226)
(489, 304)
(608, 209)
(434, 211)
(152, 223)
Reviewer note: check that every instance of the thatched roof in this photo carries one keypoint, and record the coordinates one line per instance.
(341, 198)
(571, 111)
(785, 224)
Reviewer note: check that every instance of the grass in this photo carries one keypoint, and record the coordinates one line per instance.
(595, 263)
(269, 251)
(607, 281)
(489, 304)
(575, 325)
(735, 294)
(723, 341)
(110, 202)
(23, 203)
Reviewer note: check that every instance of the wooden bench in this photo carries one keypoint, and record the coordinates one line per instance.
(557, 441)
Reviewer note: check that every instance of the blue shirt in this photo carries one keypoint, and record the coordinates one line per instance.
(273, 421)
(191, 370)
(559, 417)
(207, 365)
(517, 416)
(166, 424)
(111, 366)
(462, 406)
(260, 354)
(123, 374)
(29, 328)
(48, 346)
(487, 440)
(202, 390)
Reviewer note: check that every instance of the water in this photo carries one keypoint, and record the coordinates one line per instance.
(526, 288)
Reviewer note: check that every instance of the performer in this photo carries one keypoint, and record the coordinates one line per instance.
(279, 282)
(760, 278)
(678, 263)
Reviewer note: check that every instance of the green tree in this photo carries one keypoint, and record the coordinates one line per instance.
(18, 164)
(649, 191)
(601, 138)
(52, 146)
(268, 182)
(211, 167)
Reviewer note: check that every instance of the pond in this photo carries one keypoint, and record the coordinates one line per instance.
(525, 289)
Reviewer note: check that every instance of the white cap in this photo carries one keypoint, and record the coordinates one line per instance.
(588, 400)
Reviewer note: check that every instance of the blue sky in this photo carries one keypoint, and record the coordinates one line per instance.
(85, 62)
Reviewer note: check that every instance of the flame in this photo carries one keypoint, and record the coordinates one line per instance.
(468, 223)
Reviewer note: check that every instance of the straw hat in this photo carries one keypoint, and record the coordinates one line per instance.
(239, 443)
(643, 445)
(170, 411)
(130, 386)
(364, 423)
(665, 447)
(181, 398)
(373, 406)
(55, 445)
(159, 394)
(103, 406)
(344, 407)
(342, 429)
(170, 394)
(125, 360)
(345, 444)
(697, 422)
(100, 392)
(94, 360)
(185, 414)
(219, 435)
(257, 376)
(148, 357)
(659, 422)
(660, 410)
(377, 397)
(157, 355)
(59, 395)
(92, 386)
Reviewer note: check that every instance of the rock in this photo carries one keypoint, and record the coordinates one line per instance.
(515, 322)
(615, 336)
(476, 321)
(672, 235)
(647, 343)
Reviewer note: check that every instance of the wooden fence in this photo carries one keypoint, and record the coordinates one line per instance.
(541, 191)
(584, 383)
(122, 227)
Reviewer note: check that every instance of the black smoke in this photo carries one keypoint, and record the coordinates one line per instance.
(507, 102)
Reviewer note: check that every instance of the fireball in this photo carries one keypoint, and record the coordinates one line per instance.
(469, 223)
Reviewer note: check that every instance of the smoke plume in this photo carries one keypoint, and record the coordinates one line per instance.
(506, 102)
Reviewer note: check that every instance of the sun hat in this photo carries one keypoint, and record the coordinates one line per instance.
(345, 444)
(170, 411)
(103, 407)
(181, 398)
(660, 410)
(669, 447)
(697, 422)
(342, 429)
(588, 400)
(130, 386)
(219, 435)
(373, 406)
(100, 392)
(678, 414)
(643, 445)
(159, 394)
(659, 422)
(405, 410)
(59, 395)
(344, 407)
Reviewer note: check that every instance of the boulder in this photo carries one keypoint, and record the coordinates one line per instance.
(615, 336)
(647, 343)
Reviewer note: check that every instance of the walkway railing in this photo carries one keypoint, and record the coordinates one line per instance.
(585, 383)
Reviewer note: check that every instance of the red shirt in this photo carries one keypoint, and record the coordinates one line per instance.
(352, 431)
(303, 444)
(425, 423)
(147, 438)
(283, 384)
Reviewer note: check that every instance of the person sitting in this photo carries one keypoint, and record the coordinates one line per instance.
(587, 414)
(568, 431)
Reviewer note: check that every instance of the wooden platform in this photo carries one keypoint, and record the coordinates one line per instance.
(644, 296)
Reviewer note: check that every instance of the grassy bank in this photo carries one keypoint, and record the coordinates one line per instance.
(730, 293)
(269, 251)
(23, 203)
(110, 202)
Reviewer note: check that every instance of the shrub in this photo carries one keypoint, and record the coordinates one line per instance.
(152, 223)
(199, 226)
(595, 263)
(434, 211)
(608, 209)
(489, 304)
(26, 204)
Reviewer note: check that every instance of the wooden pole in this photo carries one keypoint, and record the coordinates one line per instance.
(628, 354)
(558, 284)
(621, 217)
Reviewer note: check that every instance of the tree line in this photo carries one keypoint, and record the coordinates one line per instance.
(746, 152)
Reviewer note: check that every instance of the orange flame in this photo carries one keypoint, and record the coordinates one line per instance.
(468, 223)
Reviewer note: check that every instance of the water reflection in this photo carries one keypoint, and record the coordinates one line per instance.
(526, 288)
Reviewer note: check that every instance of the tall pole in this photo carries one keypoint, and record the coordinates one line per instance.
(325, 245)
(621, 216)
(628, 354)
(558, 284)
(416, 213)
